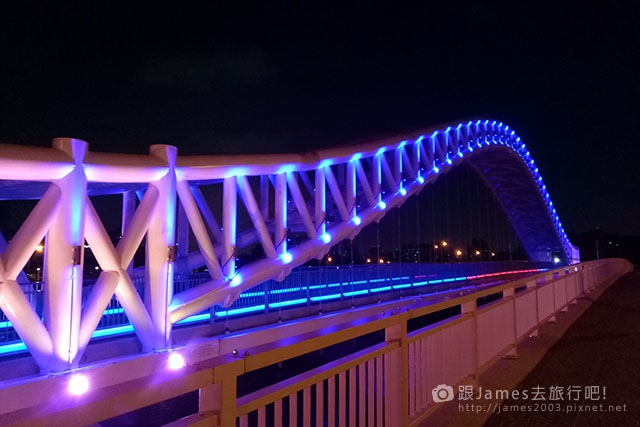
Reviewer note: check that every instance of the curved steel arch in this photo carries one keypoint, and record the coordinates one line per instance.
(364, 181)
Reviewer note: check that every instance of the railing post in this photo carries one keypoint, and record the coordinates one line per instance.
(64, 259)
(469, 309)
(396, 375)
(509, 295)
(229, 215)
(221, 395)
(161, 250)
(128, 209)
(533, 285)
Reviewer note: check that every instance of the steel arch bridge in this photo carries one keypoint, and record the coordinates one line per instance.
(329, 194)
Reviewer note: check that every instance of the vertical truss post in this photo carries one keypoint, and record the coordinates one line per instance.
(397, 166)
(128, 209)
(64, 258)
(351, 188)
(321, 201)
(183, 232)
(264, 197)
(229, 216)
(377, 176)
(281, 213)
(161, 249)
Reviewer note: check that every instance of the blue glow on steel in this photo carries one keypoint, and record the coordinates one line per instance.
(326, 297)
(386, 288)
(326, 237)
(237, 279)
(287, 303)
(10, 348)
(353, 293)
(112, 331)
(195, 318)
(240, 310)
(404, 285)
(421, 283)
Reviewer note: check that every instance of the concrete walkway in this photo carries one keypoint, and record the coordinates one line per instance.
(601, 349)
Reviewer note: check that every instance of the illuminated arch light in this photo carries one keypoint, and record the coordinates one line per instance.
(382, 205)
(421, 180)
(176, 361)
(326, 237)
(436, 169)
(286, 257)
(402, 192)
(78, 385)
(356, 220)
(237, 279)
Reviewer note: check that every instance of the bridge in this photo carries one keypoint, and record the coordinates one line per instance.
(450, 319)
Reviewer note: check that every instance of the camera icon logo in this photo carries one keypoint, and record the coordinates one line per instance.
(442, 393)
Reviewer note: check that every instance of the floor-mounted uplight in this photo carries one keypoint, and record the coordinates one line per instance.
(403, 192)
(382, 205)
(286, 257)
(357, 220)
(78, 384)
(421, 180)
(176, 361)
(326, 237)
(556, 260)
(236, 280)
(436, 169)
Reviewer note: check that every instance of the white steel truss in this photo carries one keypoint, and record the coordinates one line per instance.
(364, 182)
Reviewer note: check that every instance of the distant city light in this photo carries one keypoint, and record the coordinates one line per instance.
(330, 259)
(477, 252)
(39, 248)
(458, 252)
(368, 260)
(435, 246)
(444, 243)
(176, 361)
(381, 261)
(493, 254)
(78, 384)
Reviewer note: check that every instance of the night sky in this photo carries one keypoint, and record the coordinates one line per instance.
(293, 77)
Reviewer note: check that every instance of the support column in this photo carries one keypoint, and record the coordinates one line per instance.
(229, 211)
(128, 209)
(351, 189)
(281, 214)
(321, 202)
(396, 377)
(161, 249)
(64, 259)
(183, 232)
(264, 197)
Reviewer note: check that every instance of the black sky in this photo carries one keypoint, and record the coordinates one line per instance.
(295, 76)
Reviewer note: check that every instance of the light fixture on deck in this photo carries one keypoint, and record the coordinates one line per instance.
(326, 237)
(403, 192)
(286, 257)
(356, 220)
(421, 180)
(382, 205)
(78, 384)
(236, 280)
(176, 361)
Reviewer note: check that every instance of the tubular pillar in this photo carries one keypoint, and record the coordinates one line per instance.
(64, 258)
(161, 249)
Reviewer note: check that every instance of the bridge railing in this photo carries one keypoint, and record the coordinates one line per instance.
(391, 383)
